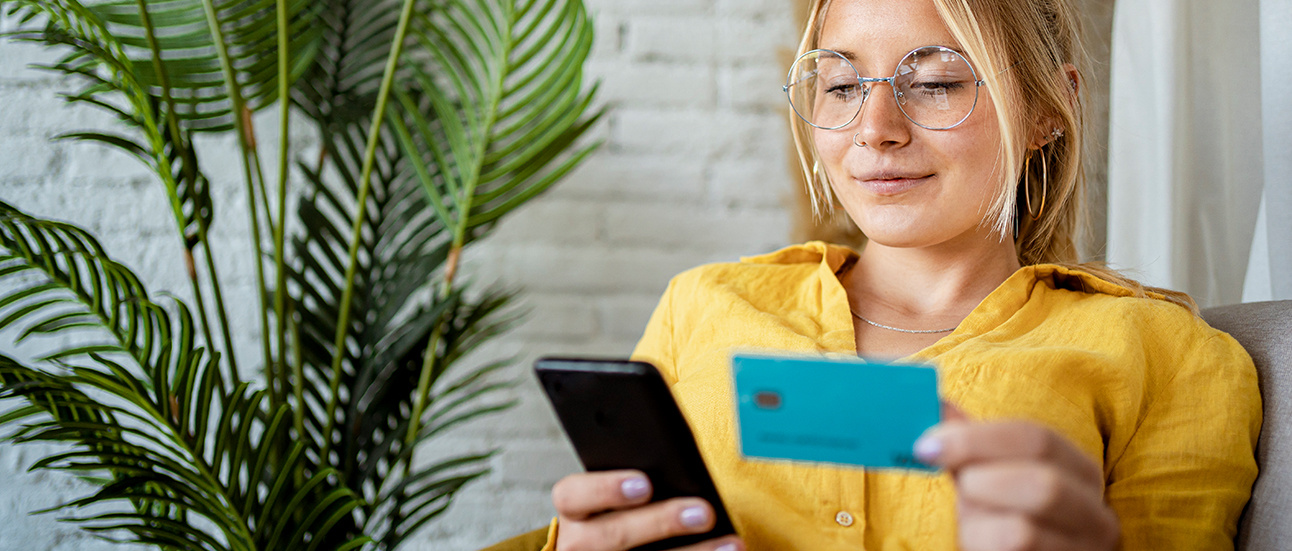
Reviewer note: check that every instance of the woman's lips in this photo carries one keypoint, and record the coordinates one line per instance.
(894, 186)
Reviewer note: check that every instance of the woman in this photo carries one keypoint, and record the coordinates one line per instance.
(1089, 413)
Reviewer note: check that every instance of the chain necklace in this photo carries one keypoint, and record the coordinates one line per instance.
(900, 330)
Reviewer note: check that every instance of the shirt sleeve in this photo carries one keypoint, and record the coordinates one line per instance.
(657, 345)
(550, 545)
(1186, 474)
(543, 539)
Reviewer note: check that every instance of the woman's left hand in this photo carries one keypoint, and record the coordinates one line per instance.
(1020, 486)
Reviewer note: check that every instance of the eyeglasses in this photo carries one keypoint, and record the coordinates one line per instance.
(935, 87)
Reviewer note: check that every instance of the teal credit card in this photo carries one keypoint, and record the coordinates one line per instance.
(841, 411)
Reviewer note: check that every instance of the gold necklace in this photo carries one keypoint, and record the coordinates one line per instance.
(900, 330)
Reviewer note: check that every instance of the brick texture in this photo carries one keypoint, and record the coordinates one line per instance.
(694, 169)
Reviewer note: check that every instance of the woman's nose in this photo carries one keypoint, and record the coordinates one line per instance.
(881, 123)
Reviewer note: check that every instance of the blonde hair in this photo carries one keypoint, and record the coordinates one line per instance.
(1035, 40)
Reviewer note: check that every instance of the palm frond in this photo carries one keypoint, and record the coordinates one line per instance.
(112, 82)
(190, 65)
(134, 400)
(497, 109)
(116, 76)
(395, 311)
(341, 85)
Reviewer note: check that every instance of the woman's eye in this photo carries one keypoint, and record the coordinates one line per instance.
(933, 87)
(845, 92)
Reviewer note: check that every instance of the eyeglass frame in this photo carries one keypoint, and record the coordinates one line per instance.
(872, 80)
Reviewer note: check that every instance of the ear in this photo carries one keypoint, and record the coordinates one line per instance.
(1046, 129)
(1074, 80)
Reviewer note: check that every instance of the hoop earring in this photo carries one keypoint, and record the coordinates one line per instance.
(1045, 185)
(854, 140)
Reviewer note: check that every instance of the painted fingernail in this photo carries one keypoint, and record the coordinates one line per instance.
(927, 449)
(634, 488)
(695, 517)
(726, 547)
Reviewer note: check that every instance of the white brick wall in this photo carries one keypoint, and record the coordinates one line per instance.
(695, 169)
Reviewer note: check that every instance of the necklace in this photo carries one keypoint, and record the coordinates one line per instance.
(900, 330)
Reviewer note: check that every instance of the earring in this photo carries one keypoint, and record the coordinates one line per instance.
(854, 140)
(1045, 184)
(1056, 134)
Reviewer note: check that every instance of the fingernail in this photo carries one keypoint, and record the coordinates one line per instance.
(694, 517)
(927, 449)
(634, 488)
(726, 547)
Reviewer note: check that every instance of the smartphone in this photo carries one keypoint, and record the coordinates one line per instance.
(619, 414)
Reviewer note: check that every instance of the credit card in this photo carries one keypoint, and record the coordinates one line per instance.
(840, 411)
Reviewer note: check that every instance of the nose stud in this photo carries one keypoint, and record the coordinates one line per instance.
(854, 140)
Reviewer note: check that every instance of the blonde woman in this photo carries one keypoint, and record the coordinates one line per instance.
(1088, 413)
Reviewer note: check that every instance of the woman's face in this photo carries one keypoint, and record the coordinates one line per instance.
(910, 187)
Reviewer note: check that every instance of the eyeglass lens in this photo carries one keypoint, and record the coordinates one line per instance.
(935, 87)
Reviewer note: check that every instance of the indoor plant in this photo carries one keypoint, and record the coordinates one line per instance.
(438, 116)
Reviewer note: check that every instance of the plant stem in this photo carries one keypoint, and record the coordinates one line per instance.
(298, 389)
(219, 304)
(365, 179)
(284, 141)
(173, 189)
(260, 176)
(429, 364)
(298, 371)
(241, 122)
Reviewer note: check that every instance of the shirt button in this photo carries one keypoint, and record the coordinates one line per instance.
(844, 518)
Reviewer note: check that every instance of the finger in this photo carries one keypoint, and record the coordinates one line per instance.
(954, 445)
(627, 529)
(1050, 495)
(992, 531)
(582, 495)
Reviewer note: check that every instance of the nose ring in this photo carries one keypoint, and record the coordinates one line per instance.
(854, 140)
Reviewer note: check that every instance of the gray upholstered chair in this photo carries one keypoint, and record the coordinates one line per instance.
(1265, 330)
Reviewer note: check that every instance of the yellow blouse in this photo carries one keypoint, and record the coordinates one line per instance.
(1168, 406)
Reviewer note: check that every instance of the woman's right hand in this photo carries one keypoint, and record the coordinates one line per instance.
(611, 511)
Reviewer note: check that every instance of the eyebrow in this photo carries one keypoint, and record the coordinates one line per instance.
(850, 56)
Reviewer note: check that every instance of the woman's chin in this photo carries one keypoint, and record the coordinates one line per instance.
(899, 241)
(885, 226)
(908, 233)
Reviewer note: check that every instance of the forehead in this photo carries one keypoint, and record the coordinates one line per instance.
(882, 31)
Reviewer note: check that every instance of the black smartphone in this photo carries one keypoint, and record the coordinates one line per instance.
(619, 414)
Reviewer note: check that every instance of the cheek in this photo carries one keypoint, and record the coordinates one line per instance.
(976, 151)
(831, 147)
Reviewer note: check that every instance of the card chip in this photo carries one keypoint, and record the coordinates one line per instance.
(767, 400)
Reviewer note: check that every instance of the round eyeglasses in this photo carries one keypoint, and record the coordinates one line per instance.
(935, 87)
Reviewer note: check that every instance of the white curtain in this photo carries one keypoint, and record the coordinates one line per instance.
(1200, 152)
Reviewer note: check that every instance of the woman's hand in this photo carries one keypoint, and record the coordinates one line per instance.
(610, 511)
(1020, 486)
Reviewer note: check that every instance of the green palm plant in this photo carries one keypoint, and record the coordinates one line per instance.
(435, 119)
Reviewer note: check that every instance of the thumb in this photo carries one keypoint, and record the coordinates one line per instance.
(928, 448)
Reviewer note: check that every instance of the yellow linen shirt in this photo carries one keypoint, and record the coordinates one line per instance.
(1166, 405)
